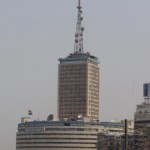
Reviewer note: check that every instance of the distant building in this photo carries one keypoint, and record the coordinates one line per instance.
(108, 141)
(142, 126)
(78, 80)
(142, 121)
(65, 135)
(114, 138)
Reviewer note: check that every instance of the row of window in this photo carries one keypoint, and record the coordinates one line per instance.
(72, 77)
(72, 66)
(73, 72)
(27, 142)
(83, 133)
(72, 98)
(58, 138)
(56, 147)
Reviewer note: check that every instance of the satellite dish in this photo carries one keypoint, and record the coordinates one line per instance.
(50, 117)
(72, 118)
(80, 116)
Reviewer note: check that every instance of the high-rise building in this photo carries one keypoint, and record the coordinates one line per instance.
(78, 80)
(142, 121)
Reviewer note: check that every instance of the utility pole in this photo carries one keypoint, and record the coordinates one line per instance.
(126, 134)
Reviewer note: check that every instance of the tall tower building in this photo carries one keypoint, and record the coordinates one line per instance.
(78, 80)
(142, 121)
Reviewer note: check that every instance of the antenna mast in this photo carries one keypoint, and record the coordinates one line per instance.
(79, 2)
(78, 45)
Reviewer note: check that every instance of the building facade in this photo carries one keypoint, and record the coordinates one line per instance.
(108, 141)
(63, 135)
(142, 121)
(44, 135)
(142, 126)
(78, 86)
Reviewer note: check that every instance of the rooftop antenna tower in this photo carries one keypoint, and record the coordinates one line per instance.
(78, 45)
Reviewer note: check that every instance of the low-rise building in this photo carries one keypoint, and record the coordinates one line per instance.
(66, 135)
(108, 141)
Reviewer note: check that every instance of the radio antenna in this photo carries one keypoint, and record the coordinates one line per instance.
(78, 45)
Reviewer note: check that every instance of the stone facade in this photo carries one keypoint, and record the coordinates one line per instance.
(78, 86)
(142, 126)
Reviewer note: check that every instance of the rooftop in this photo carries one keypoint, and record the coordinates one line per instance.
(70, 123)
(79, 57)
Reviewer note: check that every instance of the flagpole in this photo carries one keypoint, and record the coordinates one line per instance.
(28, 114)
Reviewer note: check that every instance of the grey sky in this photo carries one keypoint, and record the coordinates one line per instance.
(35, 33)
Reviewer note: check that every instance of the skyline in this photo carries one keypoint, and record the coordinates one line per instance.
(33, 37)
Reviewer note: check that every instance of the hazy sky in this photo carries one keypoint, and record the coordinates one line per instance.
(35, 33)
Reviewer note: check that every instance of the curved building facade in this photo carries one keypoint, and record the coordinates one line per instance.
(66, 135)
(44, 135)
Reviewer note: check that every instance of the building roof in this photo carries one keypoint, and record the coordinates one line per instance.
(79, 57)
(71, 123)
